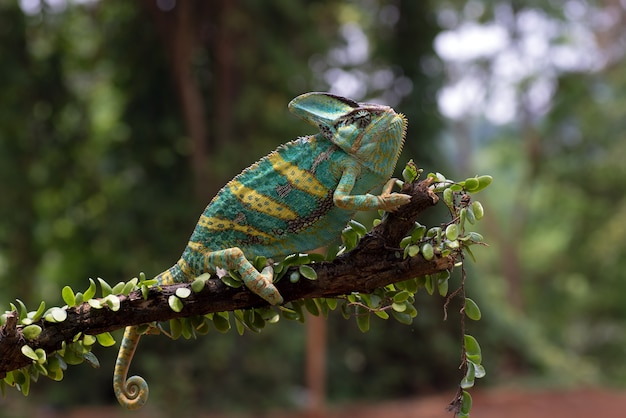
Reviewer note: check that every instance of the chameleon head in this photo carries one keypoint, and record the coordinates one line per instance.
(372, 133)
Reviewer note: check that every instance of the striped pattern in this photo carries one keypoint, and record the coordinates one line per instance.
(297, 177)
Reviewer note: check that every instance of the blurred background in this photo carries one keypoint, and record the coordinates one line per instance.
(119, 120)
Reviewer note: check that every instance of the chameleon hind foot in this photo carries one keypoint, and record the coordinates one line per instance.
(263, 285)
(259, 283)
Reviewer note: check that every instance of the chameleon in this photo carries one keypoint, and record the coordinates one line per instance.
(297, 198)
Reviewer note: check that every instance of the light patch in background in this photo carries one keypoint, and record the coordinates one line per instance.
(492, 67)
(35, 7)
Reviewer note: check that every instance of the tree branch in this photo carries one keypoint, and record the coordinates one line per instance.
(376, 262)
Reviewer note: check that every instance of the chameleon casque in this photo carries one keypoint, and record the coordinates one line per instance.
(297, 198)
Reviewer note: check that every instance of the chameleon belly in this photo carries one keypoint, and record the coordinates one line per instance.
(297, 198)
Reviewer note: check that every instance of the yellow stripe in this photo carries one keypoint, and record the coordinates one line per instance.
(260, 202)
(184, 266)
(298, 178)
(218, 224)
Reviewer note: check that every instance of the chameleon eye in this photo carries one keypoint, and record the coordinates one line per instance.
(362, 118)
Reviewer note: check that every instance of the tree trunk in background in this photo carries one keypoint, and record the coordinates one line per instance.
(180, 31)
(316, 366)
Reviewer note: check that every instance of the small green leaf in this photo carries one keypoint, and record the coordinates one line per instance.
(89, 340)
(466, 403)
(475, 236)
(41, 355)
(311, 306)
(25, 386)
(68, 296)
(402, 317)
(91, 291)
(472, 349)
(106, 288)
(479, 371)
(128, 287)
(470, 253)
(183, 292)
(429, 284)
(448, 197)
(469, 215)
(398, 307)
(452, 232)
(197, 285)
(468, 379)
(358, 227)
(308, 272)
(113, 302)
(231, 281)
(362, 319)
(401, 297)
(260, 262)
(418, 232)
(349, 238)
(29, 352)
(472, 310)
(483, 182)
(105, 339)
(442, 287)
(31, 332)
(175, 303)
(79, 298)
(22, 311)
(221, 322)
(382, 314)
(409, 285)
(55, 315)
(176, 328)
(471, 184)
(410, 173)
(413, 250)
(428, 251)
(36, 316)
(478, 210)
(92, 360)
(95, 303)
(117, 289)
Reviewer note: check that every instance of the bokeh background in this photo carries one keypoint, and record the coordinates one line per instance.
(119, 120)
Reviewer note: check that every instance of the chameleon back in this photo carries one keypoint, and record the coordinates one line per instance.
(281, 205)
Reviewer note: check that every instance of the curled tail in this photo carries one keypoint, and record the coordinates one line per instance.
(131, 393)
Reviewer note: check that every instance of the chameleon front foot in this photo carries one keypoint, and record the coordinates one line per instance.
(390, 201)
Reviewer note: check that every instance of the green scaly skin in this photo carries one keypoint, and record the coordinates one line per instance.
(296, 199)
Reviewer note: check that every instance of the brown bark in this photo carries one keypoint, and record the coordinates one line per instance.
(376, 262)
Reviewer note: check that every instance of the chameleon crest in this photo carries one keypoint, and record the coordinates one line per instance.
(296, 199)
